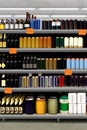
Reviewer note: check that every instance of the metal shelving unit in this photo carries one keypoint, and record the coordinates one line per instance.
(37, 71)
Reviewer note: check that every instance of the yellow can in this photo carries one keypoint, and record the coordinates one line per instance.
(40, 105)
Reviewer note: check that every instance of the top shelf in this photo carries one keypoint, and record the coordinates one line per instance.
(74, 31)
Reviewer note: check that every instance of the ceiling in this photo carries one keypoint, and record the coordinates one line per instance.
(43, 4)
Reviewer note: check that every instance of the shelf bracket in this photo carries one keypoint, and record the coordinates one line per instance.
(58, 120)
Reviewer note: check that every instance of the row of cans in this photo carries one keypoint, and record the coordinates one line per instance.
(53, 81)
(35, 42)
(76, 63)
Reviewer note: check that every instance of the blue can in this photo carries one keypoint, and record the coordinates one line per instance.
(85, 63)
(68, 64)
(77, 63)
(81, 63)
(39, 24)
(36, 24)
(32, 23)
(73, 64)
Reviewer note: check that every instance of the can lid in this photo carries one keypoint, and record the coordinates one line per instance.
(52, 97)
(29, 98)
(64, 97)
(41, 98)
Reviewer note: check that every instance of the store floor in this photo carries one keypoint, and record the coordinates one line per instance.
(43, 125)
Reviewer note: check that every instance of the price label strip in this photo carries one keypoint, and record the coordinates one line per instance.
(29, 31)
(82, 32)
(68, 72)
(8, 90)
(12, 51)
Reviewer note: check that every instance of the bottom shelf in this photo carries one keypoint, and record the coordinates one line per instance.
(45, 116)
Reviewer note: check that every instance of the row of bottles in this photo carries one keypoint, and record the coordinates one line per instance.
(11, 80)
(15, 41)
(39, 80)
(32, 22)
(35, 42)
(31, 61)
(18, 24)
(69, 42)
(8, 61)
(64, 24)
(51, 63)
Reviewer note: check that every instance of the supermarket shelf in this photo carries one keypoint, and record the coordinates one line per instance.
(49, 89)
(30, 71)
(45, 116)
(73, 31)
(13, 31)
(46, 50)
(43, 71)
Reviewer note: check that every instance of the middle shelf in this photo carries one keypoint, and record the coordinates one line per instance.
(23, 71)
(46, 50)
(50, 89)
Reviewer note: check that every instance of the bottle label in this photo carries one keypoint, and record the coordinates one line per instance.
(16, 110)
(53, 23)
(7, 110)
(27, 66)
(4, 44)
(2, 110)
(11, 110)
(58, 23)
(3, 83)
(20, 26)
(26, 25)
(0, 43)
(35, 66)
(11, 26)
(24, 66)
(6, 26)
(20, 110)
(63, 101)
(30, 65)
(16, 26)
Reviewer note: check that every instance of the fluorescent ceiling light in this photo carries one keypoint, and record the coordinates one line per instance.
(42, 16)
(17, 9)
(23, 16)
(72, 16)
(6, 16)
(84, 8)
(58, 9)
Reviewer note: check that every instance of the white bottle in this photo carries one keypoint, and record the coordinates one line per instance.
(66, 42)
(80, 42)
(75, 42)
(3, 81)
(16, 25)
(71, 42)
(12, 24)
(7, 25)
